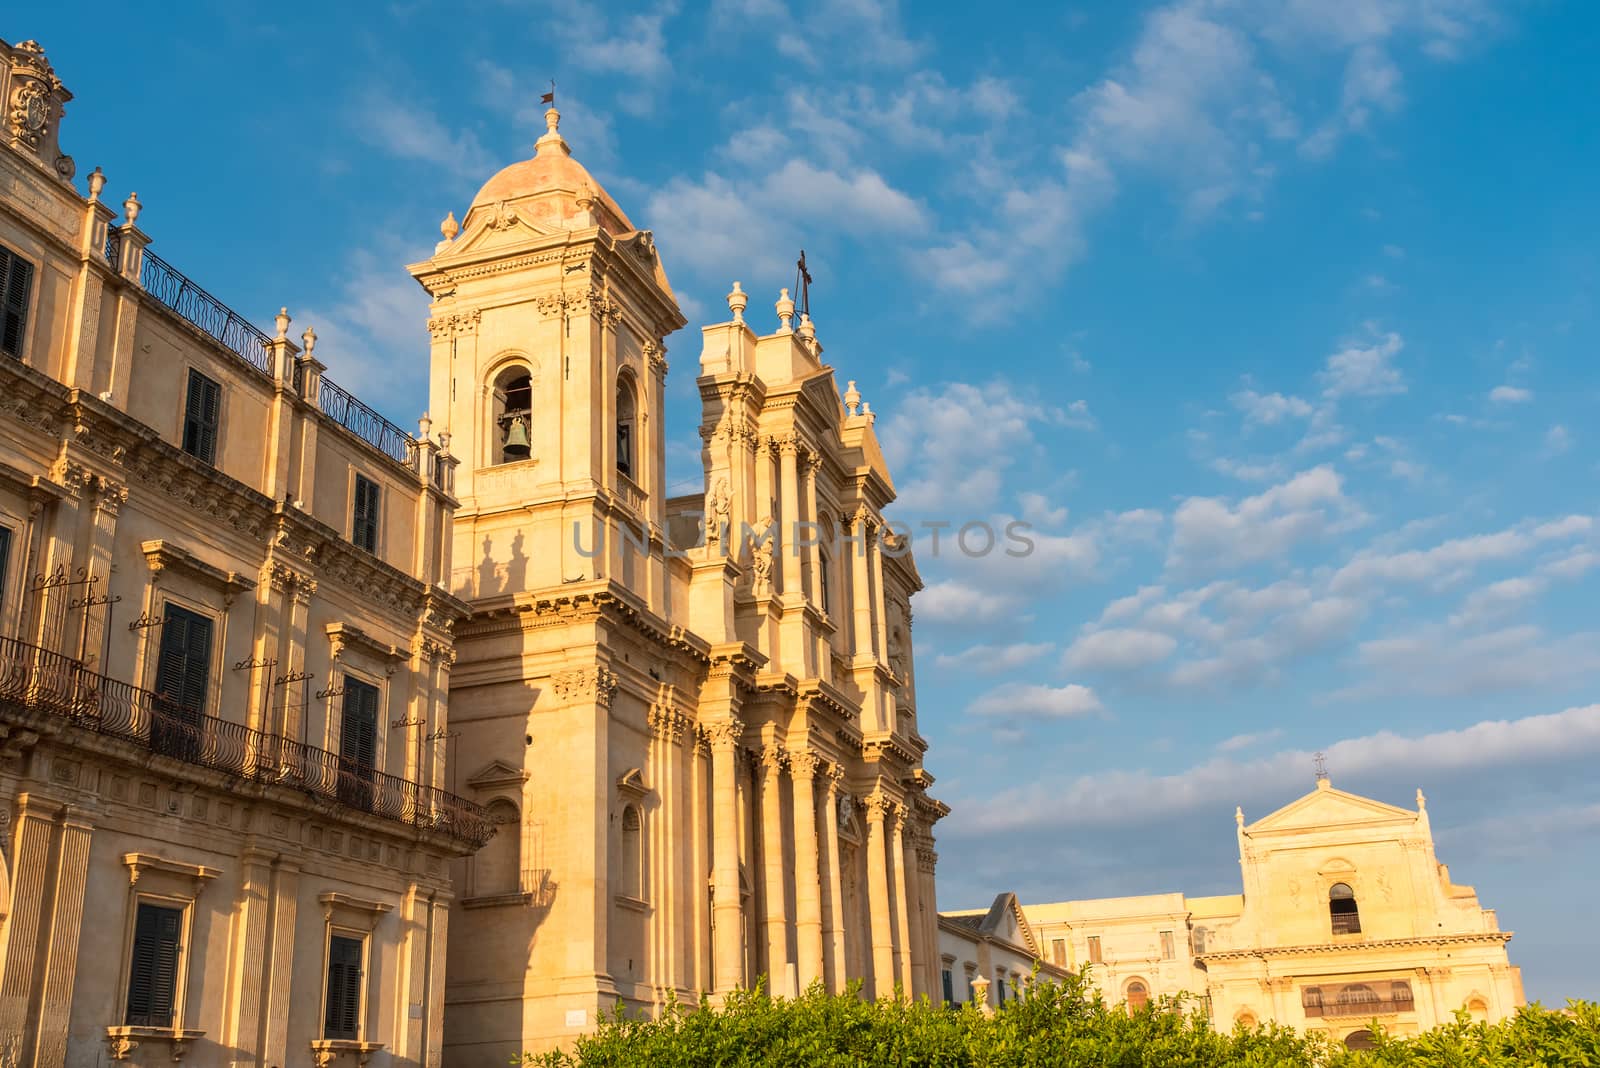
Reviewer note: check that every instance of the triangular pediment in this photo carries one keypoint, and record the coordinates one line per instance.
(1329, 808)
(497, 773)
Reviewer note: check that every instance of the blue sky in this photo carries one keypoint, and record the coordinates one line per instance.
(1275, 319)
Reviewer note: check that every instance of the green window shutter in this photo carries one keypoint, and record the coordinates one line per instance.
(183, 668)
(358, 735)
(153, 971)
(365, 514)
(342, 1020)
(202, 412)
(16, 278)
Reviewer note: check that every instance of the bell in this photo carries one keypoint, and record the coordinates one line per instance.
(517, 437)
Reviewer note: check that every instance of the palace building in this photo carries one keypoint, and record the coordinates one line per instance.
(225, 648)
(245, 620)
(692, 718)
(1346, 916)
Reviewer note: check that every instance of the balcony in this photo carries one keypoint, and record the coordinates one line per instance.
(42, 681)
(1357, 1000)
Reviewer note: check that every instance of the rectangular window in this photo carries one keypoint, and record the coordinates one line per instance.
(153, 971)
(183, 675)
(201, 412)
(1094, 949)
(16, 279)
(1000, 988)
(5, 561)
(625, 448)
(1058, 952)
(342, 1019)
(358, 743)
(1166, 945)
(949, 987)
(364, 518)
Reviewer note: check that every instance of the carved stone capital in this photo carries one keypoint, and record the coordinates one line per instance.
(455, 324)
(772, 759)
(803, 764)
(724, 736)
(655, 354)
(579, 684)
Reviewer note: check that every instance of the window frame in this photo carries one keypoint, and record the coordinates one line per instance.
(163, 883)
(179, 964)
(1169, 946)
(366, 524)
(8, 538)
(1094, 952)
(11, 262)
(346, 933)
(209, 455)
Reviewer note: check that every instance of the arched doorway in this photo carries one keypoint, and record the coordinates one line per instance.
(1360, 1040)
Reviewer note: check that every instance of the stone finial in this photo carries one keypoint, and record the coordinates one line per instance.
(450, 228)
(1422, 802)
(785, 307)
(808, 330)
(309, 340)
(424, 426)
(552, 134)
(852, 398)
(282, 321)
(131, 208)
(980, 994)
(738, 299)
(97, 182)
(866, 410)
(444, 442)
(1238, 815)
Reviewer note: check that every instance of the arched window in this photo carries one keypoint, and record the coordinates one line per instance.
(1246, 1020)
(632, 881)
(497, 865)
(626, 431)
(1479, 1009)
(513, 416)
(1360, 1040)
(1138, 995)
(1342, 909)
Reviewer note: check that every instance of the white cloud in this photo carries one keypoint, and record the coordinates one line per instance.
(1438, 661)
(1209, 533)
(1510, 395)
(1270, 409)
(1015, 700)
(1119, 649)
(1249, 741)
(1557, 440)
(1452, 560)
(410, 131)
(1364, 370)
(957, 602)
(993, 659)
(1496, 600)
(1133, 798)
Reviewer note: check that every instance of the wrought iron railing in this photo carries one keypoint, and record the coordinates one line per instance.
(171, 287)
(114, 248)
(343, 408)
(39, 679)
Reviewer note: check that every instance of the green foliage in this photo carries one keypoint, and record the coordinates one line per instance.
(1066, 1025)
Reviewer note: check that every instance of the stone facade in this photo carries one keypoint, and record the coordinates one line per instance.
(1346, 916)
(692, 716)
(225, 646)
(991, 955)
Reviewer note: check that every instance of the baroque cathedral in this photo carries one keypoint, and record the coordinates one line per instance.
(327, 742)
(692, 718)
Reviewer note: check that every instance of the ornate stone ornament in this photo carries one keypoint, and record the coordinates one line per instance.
(35, 107)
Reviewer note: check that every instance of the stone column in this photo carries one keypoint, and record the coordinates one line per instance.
(727, 917)
(789, 493)
(807, 876)
(879, 614)
(813, 462)
(282, 907)
(30, 864)
(66, 921)
(927, 863)
(835, 962)
(247, 966)
(861, 633)
(775, 881)
(902, 902)
(878, 897)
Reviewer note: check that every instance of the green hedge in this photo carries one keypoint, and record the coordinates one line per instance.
(1067, 1025)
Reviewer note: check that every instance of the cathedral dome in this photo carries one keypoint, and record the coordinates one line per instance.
(552, 188)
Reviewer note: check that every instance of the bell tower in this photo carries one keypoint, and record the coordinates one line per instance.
(547, 371)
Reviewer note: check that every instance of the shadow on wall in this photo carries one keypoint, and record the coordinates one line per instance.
(493, 577)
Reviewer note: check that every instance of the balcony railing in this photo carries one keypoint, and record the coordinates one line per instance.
(343, 408)
(49, 682)
(230, 329)
(114, 247)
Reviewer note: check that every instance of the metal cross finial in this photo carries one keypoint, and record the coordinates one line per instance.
(1321, 764)
(802, 283)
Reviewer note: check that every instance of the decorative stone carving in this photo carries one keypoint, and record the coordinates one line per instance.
(724, 735)
(804, 764)
(456, 324)
(583, 683)
(718, 503)
(655, 354)
(33, 113)
(504, 217)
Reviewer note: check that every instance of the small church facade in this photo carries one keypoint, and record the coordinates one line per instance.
(1347, 917)
(692, 718)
